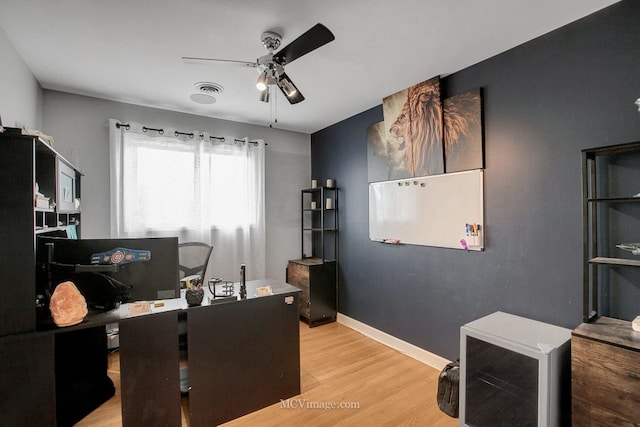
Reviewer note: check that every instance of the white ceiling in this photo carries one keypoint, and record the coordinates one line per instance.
(130, 51)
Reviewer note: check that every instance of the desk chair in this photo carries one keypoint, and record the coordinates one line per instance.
(193, 258)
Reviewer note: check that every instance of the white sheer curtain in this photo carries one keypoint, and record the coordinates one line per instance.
(187, 184)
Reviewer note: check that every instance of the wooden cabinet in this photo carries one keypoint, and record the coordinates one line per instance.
(316, 278)
(605, 372)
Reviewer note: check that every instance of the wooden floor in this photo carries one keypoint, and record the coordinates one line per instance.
(346, 379)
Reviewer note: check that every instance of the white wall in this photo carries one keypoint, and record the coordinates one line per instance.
(79, 123)
(20, 92)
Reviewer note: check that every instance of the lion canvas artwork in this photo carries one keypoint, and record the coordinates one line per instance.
(422, 135)
(408, 142)
(463, 138)
(378, 164)
(413, 126)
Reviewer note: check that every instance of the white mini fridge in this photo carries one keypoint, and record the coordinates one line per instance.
(514, 372)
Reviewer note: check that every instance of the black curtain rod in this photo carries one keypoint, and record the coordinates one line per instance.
(127, 126)
(189, 134)
(145, 129)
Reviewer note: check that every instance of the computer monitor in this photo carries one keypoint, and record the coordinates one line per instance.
(110, 271)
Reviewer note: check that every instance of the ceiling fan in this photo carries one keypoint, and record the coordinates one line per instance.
(270, 67)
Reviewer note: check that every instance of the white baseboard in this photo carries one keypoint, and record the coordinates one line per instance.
(404, 347)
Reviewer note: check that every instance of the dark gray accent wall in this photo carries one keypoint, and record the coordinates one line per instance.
(544, 101)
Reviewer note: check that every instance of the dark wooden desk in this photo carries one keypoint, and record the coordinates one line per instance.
(244, 354)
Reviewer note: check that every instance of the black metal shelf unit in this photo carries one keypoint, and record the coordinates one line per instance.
(319, 227)
(316, 273)
(610, 217)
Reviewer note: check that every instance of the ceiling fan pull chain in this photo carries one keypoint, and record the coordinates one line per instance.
(271, 103)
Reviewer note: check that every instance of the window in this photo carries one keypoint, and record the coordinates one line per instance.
(191, 186)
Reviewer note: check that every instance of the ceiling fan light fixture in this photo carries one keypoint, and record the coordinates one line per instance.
(288, 88)
(264, 95)
(261, 84)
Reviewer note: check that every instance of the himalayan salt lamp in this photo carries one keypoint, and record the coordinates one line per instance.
(68, 306)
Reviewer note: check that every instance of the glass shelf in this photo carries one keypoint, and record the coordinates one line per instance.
(615, 261)
(615, 199)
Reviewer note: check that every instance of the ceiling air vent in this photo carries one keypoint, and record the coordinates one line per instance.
(206, 90)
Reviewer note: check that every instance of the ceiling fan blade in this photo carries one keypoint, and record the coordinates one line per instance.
(317, 36)
(289, 90)
(205, 61)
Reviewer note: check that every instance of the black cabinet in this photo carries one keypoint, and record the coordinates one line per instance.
(32, 193)
(27, 380)
(17, 254)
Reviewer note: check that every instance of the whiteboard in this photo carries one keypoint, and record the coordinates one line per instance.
(431, 210)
